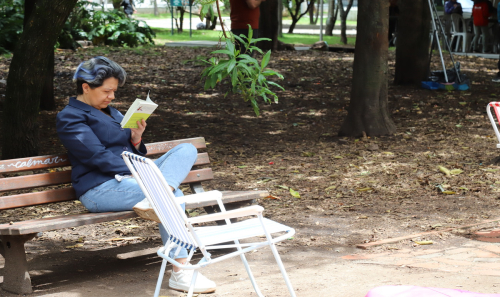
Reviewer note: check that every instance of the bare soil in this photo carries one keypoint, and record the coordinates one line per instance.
(351, 190)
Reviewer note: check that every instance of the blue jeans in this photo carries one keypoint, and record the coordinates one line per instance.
(121, 196)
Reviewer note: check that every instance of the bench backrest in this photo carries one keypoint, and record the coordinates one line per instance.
(55, 173)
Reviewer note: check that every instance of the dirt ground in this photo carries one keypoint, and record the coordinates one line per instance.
(352, 191)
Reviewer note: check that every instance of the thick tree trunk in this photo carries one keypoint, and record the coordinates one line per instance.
(412, 43)
(343, 20)
(368, 112)
(333, 10)
(268, 25)
(47, 100)
(25, 80)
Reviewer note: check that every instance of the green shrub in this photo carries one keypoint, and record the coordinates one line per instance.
(11, 24)
(112, 28)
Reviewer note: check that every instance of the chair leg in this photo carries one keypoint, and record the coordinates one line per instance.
(193, 282)
(160, 278)
(282, 269)
(249, 271)
(459, 38)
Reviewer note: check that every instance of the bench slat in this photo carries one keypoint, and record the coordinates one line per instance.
(199, 175)
(51, 161)
(165, 146)
(56, 178)
(28, 199)
(33, 181)
(59, 222)
(24, 164)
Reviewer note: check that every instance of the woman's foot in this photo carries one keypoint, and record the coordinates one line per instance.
(181, 280)
(145, 211)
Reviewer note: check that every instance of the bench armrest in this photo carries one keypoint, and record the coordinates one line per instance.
(200, 197)
(236, 213)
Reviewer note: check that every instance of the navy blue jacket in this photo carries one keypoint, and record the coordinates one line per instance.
(94, 142)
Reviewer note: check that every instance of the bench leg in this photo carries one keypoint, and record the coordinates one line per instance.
(16, 277)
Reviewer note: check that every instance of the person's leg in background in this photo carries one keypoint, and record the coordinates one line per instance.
(485, 31)
(475, 40)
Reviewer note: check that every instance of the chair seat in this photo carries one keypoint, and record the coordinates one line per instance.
(240, 230)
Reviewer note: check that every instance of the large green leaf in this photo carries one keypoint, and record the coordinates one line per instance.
(265, 60)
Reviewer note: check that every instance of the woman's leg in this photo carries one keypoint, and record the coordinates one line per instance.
(176, 163)
(120, 196)
(183, 254)
(113, 196)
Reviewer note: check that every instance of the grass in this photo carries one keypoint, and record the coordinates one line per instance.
(164, 35)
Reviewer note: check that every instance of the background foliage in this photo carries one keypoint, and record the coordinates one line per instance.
(11, 24)
(86, 22)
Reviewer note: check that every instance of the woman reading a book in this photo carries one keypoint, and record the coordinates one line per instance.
(90, 130)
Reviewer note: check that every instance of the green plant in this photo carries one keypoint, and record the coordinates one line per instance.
(116, 29)
(112, 28)
(246, 75)
(11, 24)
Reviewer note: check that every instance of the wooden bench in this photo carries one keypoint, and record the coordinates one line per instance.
(38, 172)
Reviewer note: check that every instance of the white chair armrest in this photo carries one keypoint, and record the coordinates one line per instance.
(235, 213)
(200, 197)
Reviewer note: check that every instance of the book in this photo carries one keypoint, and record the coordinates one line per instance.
(140, 109)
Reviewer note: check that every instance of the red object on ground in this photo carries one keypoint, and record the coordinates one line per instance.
(489, 236)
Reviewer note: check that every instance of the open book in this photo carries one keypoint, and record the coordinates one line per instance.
(140, 109)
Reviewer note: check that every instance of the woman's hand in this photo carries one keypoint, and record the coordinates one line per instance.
(136, 133)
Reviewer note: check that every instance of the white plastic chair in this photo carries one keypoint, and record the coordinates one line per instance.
(496, 108)
(460, 35)
(184, 234)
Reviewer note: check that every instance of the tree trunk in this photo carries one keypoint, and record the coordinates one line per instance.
(280, 18)
(47, 101)
(25, 83)
(268, 25)
(343, 20)
(412, 43)
(296, 15)
(155, 8)
(368, 113)
(333, 11)
(311, 13)
(181, 19)
(116, 4)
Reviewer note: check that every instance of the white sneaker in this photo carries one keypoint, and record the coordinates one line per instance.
(180, 281)
(145, 211)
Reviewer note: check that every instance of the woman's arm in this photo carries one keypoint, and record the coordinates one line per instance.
(253, 3)
(136, 134)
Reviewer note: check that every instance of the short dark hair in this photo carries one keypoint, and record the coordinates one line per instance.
(95, 71)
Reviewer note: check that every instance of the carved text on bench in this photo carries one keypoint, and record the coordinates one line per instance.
(31, 162)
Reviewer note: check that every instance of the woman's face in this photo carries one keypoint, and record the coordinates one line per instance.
(102, 96)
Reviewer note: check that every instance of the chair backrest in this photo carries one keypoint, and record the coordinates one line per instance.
(162, 199)
(455, 23)
(496, 108)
